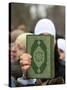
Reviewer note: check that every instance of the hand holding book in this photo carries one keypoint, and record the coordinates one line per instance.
(25, 62)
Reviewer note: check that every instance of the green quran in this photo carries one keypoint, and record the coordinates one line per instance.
(41, 48)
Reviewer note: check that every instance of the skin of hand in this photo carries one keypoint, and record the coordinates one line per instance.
(61, 54)
(25, 62)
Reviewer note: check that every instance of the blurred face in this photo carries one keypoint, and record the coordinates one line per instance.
(22, 27)
(13, 53)
(17, 50)
(61, 54)
(20, 48)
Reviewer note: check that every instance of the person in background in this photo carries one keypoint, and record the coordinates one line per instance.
(13, 58)
(45, 27)
(15, 33)
(61, 50)
(24, 59)
(15, 69)
(22, 27)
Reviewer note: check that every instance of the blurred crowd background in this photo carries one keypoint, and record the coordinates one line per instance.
(25, 16)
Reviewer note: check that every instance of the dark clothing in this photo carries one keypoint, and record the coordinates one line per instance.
(61, 69)
(16, 70)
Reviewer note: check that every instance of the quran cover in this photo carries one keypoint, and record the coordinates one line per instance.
(41, 48)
